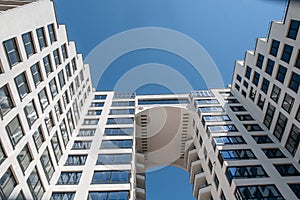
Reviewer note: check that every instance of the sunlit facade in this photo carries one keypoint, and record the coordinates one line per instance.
(62, 140)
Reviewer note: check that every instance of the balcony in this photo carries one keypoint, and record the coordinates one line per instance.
(196, 168)
(192, 156)
(199, 182)
(204, 192)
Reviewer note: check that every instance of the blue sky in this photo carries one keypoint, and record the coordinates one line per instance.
(224, 28)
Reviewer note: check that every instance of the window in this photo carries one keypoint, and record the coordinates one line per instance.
(215, 118)
(269, 115)
(49, 122)
(74, 66)
(72, 90)
(222, 128)
(253, 127)
(244, 93)
(113, 159)
(265, 85)
(76, 160)
(36, 74)
(56, 57)
(31, 113)
(258, 192)
(274, 48)
(58, 109)
(7, 184)
(237, 87)
(68, 71)
(227, 140)
(207, 101)
(255, 79)
(56, 147)
(293, 29)
(252, 93)
(245, 83)
(281, 73)
(2, 154)
(163, 101)
(245, 117)
(47, 65)
(128, 120)
(210, 166)
(231, 101)
(69, 178)
(24, 158)
(286, 170)
(262, 139)
(261, 101)
(275, 94)
(62, 196)
(237, 108)
(38, 137)
(122, 103)
(244, 172)
(77, 84)
(6, 103)
(35, 185)
(15, 131)
(28, 44)
(248, 72)
(61, 79)
(20, 196)
(118, 131)
(97, 104)
(121, 195)
(287, 52)
(287, 103)
(70, 120)
(65, 98)
(51, 32)
(86, 132)
(43, 99)
(111, 177)
(295, 187)
(22, 85)
(12, 51)
(280, 126)
(46, 162)
(216, 181)
(100, 97)
(260, 60)
(240, 154)
(273, 153)
(239, 78)
(211, 109)
(294, 82)
(41, 37)
(94, 112)
(64, 132)
(293, 140)
(64, 51)
(91, 121)
(297, 63)
(82, 145)
(116, 144)
(121, 111)
(297, 117)
(202, 93)
(270, 67)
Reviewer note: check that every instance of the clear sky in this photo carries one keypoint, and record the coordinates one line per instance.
(224, 28)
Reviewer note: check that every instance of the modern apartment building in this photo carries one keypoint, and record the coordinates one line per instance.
(62, 140)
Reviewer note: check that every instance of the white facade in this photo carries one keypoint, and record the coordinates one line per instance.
(97, 145)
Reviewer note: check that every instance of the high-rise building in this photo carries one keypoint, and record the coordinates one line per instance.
(62, 140)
